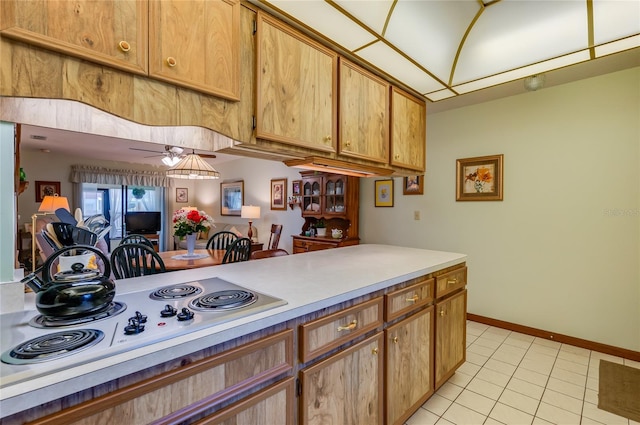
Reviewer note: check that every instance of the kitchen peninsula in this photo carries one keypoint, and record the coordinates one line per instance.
(346, 311)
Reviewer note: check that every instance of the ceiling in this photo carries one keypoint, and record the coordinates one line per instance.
(453, 52)
(443, 49)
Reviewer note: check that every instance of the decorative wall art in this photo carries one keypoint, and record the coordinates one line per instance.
(296, 187)
(182, 194)
(278, 194)
(231, 197)
(479, 178)
(46, 189)
(384, 193)
(413, 185)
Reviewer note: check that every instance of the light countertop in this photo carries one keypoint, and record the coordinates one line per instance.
(308, 282)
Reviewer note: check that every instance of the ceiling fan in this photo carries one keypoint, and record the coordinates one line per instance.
(171, 154)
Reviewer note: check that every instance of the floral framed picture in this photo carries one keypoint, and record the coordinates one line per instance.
(413, 185)
(480, 178)
(182, 194)
(231, 197)
(46, 189)
(278, 194)
(384, 193)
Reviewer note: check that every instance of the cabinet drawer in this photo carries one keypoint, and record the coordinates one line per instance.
(301, 245)
(322, 335)
(451, 281)
(405, 300)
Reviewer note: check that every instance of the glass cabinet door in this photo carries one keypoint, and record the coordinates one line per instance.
(335, 195)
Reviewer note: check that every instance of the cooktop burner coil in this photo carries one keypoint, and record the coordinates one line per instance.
(52, 346)
(174, 292)
(41, 321)
(224, 300)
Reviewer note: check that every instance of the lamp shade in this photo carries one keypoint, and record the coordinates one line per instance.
(192, 167)
(52, 203)
(170, 160)
(250, 211)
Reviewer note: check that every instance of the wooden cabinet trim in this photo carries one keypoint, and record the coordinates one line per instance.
(228, 413)
(115, 398)
(340, 318)
(422, 291)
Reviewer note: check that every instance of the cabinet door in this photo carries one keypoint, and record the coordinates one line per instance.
(312, 196)
(409, 365)
(109, 32)
(296, 86)
(335, 195)
(196, 44)
(451, 336)
(364, 116)
(345, 388)
(408, 131)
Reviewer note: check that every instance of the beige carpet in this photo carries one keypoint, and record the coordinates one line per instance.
(619, 390)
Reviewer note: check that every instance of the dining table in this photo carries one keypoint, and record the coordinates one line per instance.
(179, 260)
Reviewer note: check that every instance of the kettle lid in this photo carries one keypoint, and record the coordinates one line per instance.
(77, 274)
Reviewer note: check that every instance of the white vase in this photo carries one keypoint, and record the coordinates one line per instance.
(191, 243)
(321, 231)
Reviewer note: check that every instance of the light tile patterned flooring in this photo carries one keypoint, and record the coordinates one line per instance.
(513, 378)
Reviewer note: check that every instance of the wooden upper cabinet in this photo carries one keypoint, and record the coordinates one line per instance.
(196, 44)
(364, 114)
(296, 86)
(408, 131)
(109, 32)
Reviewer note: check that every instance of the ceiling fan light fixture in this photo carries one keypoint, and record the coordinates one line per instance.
(193, 167)
(534, 82)
(170, 160)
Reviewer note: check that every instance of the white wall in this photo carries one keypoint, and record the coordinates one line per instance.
(561, 252)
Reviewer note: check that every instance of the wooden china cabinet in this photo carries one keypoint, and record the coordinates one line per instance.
(332, 199)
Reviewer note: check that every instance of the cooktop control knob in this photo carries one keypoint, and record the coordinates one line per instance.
(140, 317)
(134, 327)
(169, 311)
(186, 314)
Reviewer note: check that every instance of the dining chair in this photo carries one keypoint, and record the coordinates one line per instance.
(266, 253)
(221, 240)
(274, 238)
(136, 239)
(135, 259)
(238, 251)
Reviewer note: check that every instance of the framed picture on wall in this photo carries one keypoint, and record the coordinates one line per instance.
(413, 185)
(278, 194)
(384, 193)
(296, 188)
(479, 178)
(182, 194)
(46, 189)
(231, 197)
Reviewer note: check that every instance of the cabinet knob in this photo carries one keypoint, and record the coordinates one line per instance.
(375, 351)
(171, 61)
(442, 313)
(396, 156)
(124, 46)
(327, 138)
(412, 299)
(351, 326)
(347, 143)
(395, 339)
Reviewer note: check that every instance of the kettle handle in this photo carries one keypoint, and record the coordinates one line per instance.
(46, 268)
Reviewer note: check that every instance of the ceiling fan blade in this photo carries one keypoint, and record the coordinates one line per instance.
(146, 150)
(206, 155)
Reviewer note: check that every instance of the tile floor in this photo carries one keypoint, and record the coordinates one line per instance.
(512, 378)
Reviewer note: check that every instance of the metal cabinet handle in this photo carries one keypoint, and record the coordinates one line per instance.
(374, 351)
(171, 61)
(395, 340)
(327, 138)
(124, 46)
(442, 312)
(452, 281)
(347, 143)
(351, 326)
(412, 299)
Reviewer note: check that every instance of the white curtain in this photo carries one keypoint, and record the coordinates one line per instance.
(102, 175)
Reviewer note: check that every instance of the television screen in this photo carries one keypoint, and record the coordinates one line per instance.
(143, 222)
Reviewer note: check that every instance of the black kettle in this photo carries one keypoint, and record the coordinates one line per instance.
(73, 293)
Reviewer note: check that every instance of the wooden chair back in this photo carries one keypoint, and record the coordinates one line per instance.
(274, 238)
(221, 240)
(238, 251)
(266, 253)
(136, 239)
(135, 259)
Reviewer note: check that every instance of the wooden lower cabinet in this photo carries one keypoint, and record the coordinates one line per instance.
(451, 336)
(345, 388)
(273, 406)
(303, 244)
(409, 362)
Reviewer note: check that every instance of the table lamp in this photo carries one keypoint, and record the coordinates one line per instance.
(49, 205)
(251, 212)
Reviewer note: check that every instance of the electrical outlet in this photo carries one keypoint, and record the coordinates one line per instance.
(416, 215)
